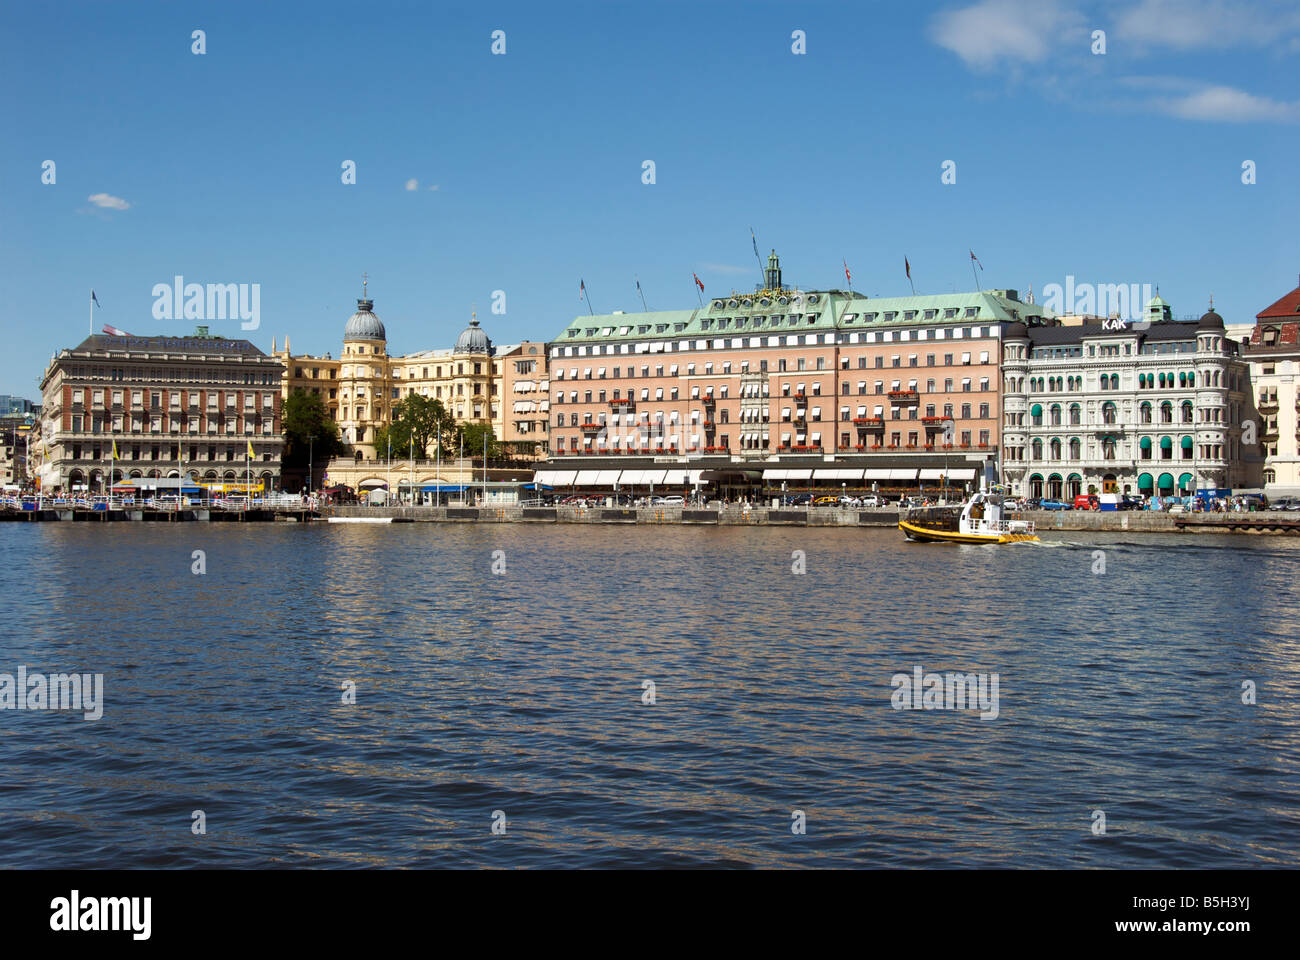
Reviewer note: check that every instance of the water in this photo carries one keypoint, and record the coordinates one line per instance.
(522, 693)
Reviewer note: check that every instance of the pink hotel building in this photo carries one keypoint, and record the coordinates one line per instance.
(820, 388)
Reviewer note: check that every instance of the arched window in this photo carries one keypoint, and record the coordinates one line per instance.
(1142, 380)
(1114, 381)
(1075, 448)
(1055, 447)
(1270, 336)
(1037, 447)
(1191, 379)
(1144, 412)
(1075, 414)
(1104, 382)
(1056, 415)
(1166, 412)
(1187, 411)
(1036, 414)
(1108, 412)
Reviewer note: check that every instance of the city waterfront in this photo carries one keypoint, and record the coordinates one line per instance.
(521, 691)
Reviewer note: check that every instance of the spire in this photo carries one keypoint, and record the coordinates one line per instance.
(772, 275)
(365, 303)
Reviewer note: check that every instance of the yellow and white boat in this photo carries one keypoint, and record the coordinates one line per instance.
(981, 519)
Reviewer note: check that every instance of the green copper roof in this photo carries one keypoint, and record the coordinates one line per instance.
(816, 310)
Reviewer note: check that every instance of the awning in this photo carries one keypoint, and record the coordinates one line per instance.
(1187, 443)
(631, 477)
(1072, 477)
(837, 473)
(908, 473)
(543, 476)
(871, 474)
(586, 477)
(537, 486)
(564, 478)
(607, 478)
(1145, 481)
(1184, 481)
(653, 476)
(444, 488)
(798, 474)
(674, 477)
(775, 474)
(1145, 443)
(931, 474)
(1036, 410)
(1166, 443)
(962, 474)
(1166, 482)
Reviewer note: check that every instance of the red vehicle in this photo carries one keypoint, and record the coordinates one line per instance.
(1087, 501)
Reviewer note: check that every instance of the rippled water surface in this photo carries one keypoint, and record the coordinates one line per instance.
(522, 692)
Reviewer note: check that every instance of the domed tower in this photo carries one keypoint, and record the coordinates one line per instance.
(472, 395)
(363, 377)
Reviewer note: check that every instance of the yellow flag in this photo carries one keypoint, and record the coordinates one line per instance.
(250, 450)
(114, 449)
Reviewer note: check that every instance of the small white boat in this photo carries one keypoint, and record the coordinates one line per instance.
(984, 518)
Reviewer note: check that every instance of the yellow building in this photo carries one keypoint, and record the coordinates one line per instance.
(361, 386)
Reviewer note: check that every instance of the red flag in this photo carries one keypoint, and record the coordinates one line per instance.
(582, 288)
(848, 276)
(908, 267)
(976, 259)
(698, 283)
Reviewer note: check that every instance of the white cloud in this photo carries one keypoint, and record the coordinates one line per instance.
(108, 201)
(413, 184)
(1227, 103)
(1006, 30)
(1215, 24)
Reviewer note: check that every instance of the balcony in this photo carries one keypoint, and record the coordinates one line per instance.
(626, 402)
(1268, 405)
(904, 396)
(715, 450)
(592, 427)
(868, 423)
(709, 400)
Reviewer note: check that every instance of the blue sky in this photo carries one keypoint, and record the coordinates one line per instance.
(225, 168)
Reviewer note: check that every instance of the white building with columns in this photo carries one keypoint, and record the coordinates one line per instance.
(1151, 407)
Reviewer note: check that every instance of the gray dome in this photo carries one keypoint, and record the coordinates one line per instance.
(1016, 330)
(364, 325)
(1210, 320)
(473, 340)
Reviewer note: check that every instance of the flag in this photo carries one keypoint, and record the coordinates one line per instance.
(638, 286)
(755, 239)
(251, 454)
(114, 332)
(848, 276)
(114, 449)
(582, 288)
(698, 282)
(95, 300)
(976, 259)
(908, 267)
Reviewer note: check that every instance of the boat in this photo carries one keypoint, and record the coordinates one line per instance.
(981, 519)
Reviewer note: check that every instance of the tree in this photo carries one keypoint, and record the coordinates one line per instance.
(420, 421)
(474, 435)
(400, 435)
(309, 433)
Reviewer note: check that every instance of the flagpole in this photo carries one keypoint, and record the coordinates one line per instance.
(644, 308)
(90, 320)
(974, 274)
(762, 277)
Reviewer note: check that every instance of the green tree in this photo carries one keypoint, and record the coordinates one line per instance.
(400, 434)
(474, 435)
(305, 417)
(419, 421)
